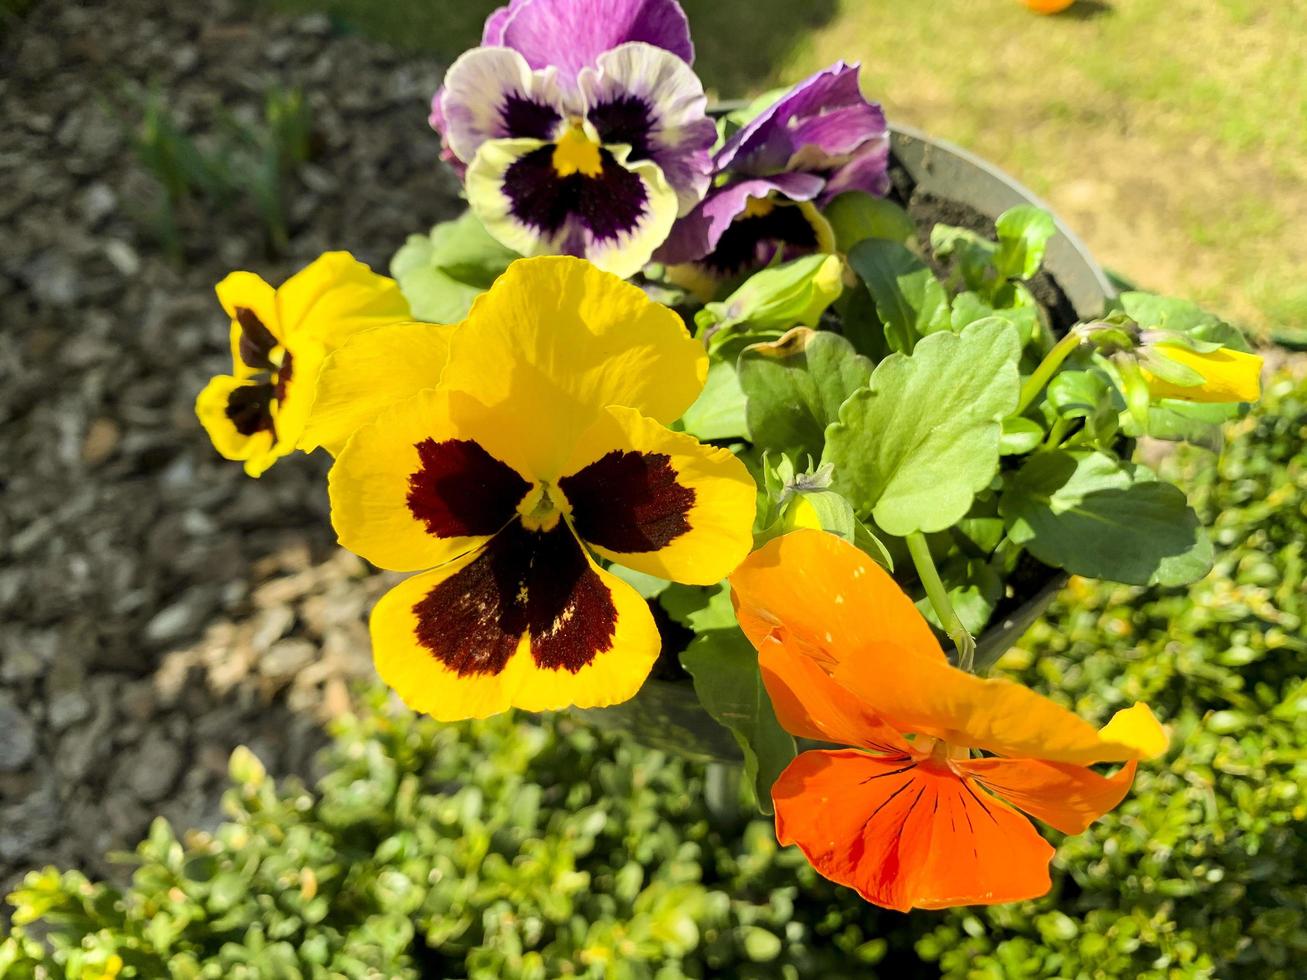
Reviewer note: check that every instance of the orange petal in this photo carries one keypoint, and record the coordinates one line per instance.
(927, 697)
(907, 836)
(808, 703)
(825, 599)
(1066, 797)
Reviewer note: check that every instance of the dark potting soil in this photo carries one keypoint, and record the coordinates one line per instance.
(928, 210)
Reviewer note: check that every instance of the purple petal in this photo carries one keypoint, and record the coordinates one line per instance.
(440, 125)
(572, 34)
(492, 35)
(650, 100)
(697, 234)
(817, 126)
(491, 93)
(867, 171)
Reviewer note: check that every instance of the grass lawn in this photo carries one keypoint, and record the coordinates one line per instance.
(1172, 134)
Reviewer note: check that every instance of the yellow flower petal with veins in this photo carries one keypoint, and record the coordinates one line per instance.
(335, 296)
(1228, 375)
(555, 341)
(368, 373)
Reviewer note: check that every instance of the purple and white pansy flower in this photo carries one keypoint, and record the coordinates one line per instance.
(819, 139)
(581, 128)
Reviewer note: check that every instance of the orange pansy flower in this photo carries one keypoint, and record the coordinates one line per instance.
(908, 816)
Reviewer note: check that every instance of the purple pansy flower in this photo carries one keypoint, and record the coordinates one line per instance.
(818, 140)
(579, 127)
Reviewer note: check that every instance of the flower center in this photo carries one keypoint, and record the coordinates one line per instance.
(576, 153)
(758, 207)
(249, 407)
(539, 510)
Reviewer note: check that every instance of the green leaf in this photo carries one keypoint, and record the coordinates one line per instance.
(1198, 423)
(971, 258)
(860, 323)
(1087, 395)
(795, 386)
(855, 216)
(974, 589)
(1094, 515)
(872, 545)
(718, 412)
(1023, 314)
(1079, 394)
(699, 608)
(441, 273)
(825, 510)
(1153, 312)
(1019, 436)
(649, 586)
(913, 448)
(910, 301)
(771, 301)
(724, 666)
(1023, 235)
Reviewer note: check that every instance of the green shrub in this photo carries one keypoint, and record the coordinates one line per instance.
(515, 848)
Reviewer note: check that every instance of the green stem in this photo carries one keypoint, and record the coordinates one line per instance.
(1047, 368)
(1056, 433)
(938, 595)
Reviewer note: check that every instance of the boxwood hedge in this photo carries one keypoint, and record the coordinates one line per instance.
(533, 848)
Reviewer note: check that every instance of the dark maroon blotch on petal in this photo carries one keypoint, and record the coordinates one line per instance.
(533, 582)
(461, 490)
(257, 341)
(629, 501)
(249, 408)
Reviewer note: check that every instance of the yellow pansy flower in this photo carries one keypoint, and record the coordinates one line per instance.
(1227, 375)
(537, 439)
(279, 338)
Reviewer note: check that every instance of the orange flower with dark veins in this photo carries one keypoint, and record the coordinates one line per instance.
(910, 816)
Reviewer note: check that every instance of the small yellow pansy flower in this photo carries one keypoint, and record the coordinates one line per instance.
(1220, 375)
(544, 443)
(279, 338)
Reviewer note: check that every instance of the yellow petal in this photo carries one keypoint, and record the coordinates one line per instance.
(334, 296)
(555, 341)
(258, 451)
(660, 501)
(414, 488)
(526, 621)
(1228, 375)
(368, 373)
(246, 290)
(299, 391)
(1138, 727)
